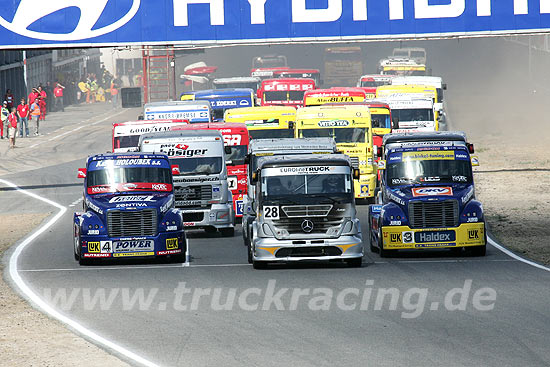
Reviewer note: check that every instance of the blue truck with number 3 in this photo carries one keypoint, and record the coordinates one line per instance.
(427, 196)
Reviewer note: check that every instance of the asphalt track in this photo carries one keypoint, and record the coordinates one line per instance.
(515, 332)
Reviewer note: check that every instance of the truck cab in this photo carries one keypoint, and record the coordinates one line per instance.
(427, 196)
(271, 148)
(198, 159)
(306, 210)
(128, 209)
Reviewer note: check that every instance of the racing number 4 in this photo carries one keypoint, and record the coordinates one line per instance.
(271, 212)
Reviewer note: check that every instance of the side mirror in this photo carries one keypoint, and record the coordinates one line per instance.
(247, 159)
(82, 173)
(140, 117)
(444, 86)
(475, 161)
(395, 122)
(375, 150)
(471, 148)
(381, 164)
(228, 149)
(379, 151)
(254, 177)
(356, 173)
(291, 125)
(175, 169)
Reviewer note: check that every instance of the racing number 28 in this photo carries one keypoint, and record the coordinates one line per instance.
(271, 212)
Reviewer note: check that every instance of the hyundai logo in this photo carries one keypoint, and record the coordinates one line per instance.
(30, 11)
(307, 226)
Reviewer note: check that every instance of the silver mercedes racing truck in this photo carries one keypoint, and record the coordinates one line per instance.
(305, 210)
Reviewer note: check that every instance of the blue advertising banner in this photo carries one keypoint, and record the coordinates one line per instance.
(55, 23)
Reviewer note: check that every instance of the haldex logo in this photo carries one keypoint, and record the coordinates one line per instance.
(422, 237)
(30, 11)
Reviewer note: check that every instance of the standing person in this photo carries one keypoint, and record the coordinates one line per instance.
(58, 93)
(8, 97)
(42, 102)
(23, 111)
(12, 127)
(35, 115)
(33, 95)
(4, 112)
(114, 93)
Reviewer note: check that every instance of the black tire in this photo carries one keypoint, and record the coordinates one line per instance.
(210, 230)
(477, 250)
(76, 239)
(259, 265)
(355, 263)
(227, 232)
(371, 242)
(179, 258)
(83, 261)
(249, 252)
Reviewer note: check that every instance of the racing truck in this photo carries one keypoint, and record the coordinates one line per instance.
(259, 148)
(306, 210)
(427, 196)
(201, 189)
(128, 209)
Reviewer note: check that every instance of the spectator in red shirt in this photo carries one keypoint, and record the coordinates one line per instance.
(58, 94)
(42, 102)
(12, 127)
(23, 113)
(33, 95)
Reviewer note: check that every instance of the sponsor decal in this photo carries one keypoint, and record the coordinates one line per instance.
(431, 155)
(95, 255)
(334, 123)
(172, 243)
(168, 205)
(472, 220)
(395, 158)
(131, 198)
(133, 254)
(182, 146)
(432, 191)
(130, 186)
(239, 207)
(196, 179)
(159, 187)
(460, 178)
(94, 207)
(376, 208)
(131, 205)
(364, 189)
(172, 228)
(306, 170)
(93, 231)
(395, 223)
(439, 236)
(169, 252)
(426, 245)
(461, 156)
(232, 139)
(128, 162)
(94, 247)
(139, 245)
(473, 234)
(396, 238)
(181, 203)
(395, 198)
(399, 181)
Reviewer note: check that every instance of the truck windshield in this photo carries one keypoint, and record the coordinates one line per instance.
(128, 179)
(198, 166)
(414, 114)
(279, 96)
(271, 134)
(381, 121)
(340, 135)
(238, 152)
(129, 141)
(429, 171)
(323, 188)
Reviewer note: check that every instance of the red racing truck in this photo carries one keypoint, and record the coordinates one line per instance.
(284, 91)
(235, 135)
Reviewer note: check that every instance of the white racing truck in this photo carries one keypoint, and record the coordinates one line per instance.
(306, 210)
(198, 159)
(412, 114)
(258, 148)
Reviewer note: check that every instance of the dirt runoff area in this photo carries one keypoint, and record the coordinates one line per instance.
(513, 183)
(29, 338)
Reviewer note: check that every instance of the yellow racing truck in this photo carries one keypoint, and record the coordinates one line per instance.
(351, 127)
(265, 122)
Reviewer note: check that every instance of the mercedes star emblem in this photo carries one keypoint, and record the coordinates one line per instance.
(307, 226)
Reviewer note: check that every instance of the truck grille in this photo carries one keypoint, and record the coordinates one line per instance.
(320, 225)
(300, 211)
(186, 193)
(193, 217)
(132, 223)
(354, 162)
(433, 214)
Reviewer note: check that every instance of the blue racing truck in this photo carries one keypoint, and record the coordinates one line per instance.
(222, 99)
(128, 209)
(427, 196)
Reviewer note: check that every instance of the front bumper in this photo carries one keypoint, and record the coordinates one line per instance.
(102, 246)
(344, 247)
(403, 237)
(217, 216)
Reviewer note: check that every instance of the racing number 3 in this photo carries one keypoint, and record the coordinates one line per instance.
(271, 212)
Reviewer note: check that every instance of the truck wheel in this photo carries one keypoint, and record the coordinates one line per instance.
(249, 251)
(210, 230)
(227, 232)
(259, 265)
(355, 263)
(477, 250)
(83, 261)
(179, 258)
(76, 244)
(371, 244)
(381, 251)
